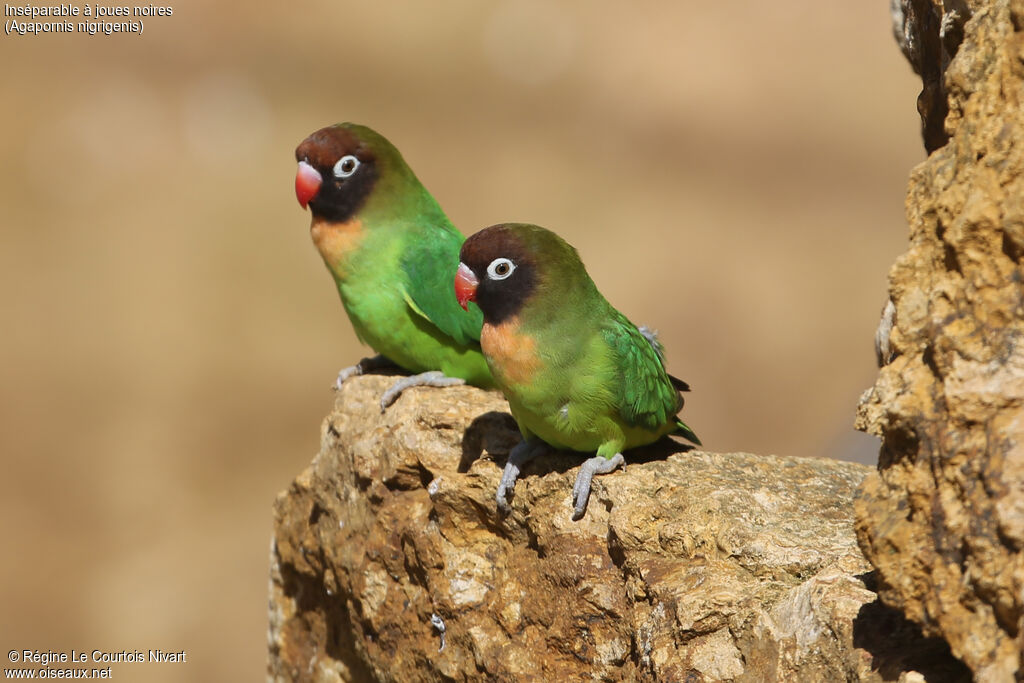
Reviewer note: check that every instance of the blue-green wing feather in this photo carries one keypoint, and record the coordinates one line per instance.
(649, 396)
(646, 395)
(429, 264)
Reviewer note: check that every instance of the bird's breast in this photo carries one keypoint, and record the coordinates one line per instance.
(336, 242)
(511, 354)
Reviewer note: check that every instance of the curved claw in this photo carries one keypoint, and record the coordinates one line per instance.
(346, 373)
(506, 487)
(522, 453)
(581, 489)
(361, 368)
(434, 378)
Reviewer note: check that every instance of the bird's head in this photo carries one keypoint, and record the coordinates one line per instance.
(504, 266)
(338, 168)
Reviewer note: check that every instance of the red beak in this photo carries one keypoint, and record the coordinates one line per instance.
(465, 285)
(307, 183)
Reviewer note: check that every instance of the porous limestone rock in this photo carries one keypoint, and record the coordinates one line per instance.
(688, 565)
(943, 519)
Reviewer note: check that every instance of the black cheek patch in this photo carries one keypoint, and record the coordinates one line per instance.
(500, 300)
(340, 199)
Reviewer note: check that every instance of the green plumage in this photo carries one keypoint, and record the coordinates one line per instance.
(392, 253)
(428, 267)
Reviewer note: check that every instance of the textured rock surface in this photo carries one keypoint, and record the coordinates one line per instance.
(687, 566)
(943, 520)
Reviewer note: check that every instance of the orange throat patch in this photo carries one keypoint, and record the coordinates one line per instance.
(513, 356)
(335, 241)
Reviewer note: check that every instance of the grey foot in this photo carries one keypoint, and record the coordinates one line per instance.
(434, 378)
(581, 489)
(361, 368)
(524, 452)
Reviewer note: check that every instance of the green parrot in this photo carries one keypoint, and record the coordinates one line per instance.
(578, 375)
(392, 252)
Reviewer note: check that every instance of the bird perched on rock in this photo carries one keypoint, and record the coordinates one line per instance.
(392, 252)
(577, 374)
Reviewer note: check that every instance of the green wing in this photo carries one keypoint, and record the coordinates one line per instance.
(429, 264)
(646, 395)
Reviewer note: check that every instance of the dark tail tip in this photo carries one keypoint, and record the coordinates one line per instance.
(684, 431)
(679, 384)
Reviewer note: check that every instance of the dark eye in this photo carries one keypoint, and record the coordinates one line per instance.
(346, 166)
(500, 268)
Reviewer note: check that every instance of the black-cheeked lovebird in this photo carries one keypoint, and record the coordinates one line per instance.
(392, 253)
(577, 374)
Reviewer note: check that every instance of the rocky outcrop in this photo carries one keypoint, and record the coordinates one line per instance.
(943, 519)
(391, 563)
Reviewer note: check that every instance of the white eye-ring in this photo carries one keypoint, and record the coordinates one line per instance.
(346, 166)
(500, 269)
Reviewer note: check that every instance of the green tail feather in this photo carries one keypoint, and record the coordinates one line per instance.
(684, 431)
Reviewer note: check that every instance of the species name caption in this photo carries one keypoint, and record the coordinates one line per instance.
(34, 20)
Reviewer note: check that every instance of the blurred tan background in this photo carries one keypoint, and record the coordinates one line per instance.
(732, 174)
